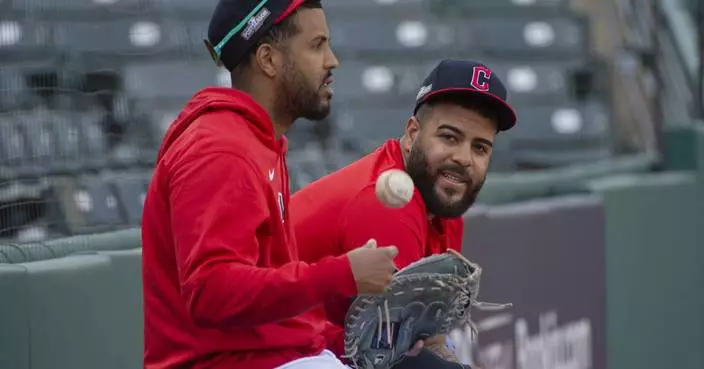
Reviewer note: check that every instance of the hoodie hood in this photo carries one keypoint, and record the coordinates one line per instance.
(217, 98)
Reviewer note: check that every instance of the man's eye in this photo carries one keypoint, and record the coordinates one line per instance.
(449, 138)
(319, 44)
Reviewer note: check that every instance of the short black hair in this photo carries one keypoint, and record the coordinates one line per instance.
(484, 106)
(277, 35)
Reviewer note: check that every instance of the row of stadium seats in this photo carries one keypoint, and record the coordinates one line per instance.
(45, 142)
(95, 203)
(203, 7)
(548, 126)
(554, 36)
(50, 141)
(380, 80)
(70, 205)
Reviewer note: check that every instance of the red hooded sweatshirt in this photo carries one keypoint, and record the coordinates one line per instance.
(223, 287)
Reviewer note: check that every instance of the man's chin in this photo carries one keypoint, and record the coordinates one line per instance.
(451, 206)
(319, 114)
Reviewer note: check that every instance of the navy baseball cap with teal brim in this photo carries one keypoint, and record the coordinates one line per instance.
(237, 25)
(471, 79)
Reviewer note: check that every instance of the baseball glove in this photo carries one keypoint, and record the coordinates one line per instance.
(427, 298)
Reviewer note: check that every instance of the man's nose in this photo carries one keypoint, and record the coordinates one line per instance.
(463, 156)
(331, 61)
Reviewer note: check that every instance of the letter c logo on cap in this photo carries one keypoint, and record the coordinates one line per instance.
(480, 78)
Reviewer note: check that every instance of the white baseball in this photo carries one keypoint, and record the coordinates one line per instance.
(394, 188)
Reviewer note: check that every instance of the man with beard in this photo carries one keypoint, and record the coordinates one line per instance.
(445, 148)
(223, 287)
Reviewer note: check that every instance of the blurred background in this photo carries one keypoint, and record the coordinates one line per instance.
(591, 222)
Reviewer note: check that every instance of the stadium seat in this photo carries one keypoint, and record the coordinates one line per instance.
(392, 36)
(105, 204)
(476, 6)
(13, 147)
(197, 31)
(387, 80)
(40, 142)
(367, 128)
(84, 205)
(28, 79)
(301, 134)
(305, 167)
(537, 38)
(361, 8)
(154, 118)
(556, 135)
(568, 122)
(68, 142)
(537, 81)
(530, 159)
(64, 7)
(12, 88)
(130, 190)
(201, 8)
(129, 37)
(171, 80)
(341, 158)
(93, 140)
(147, 176)
(502, 159)
(399, 80)
(22, 38)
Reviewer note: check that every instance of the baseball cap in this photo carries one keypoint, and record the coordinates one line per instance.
(237, 25)
(476, 80)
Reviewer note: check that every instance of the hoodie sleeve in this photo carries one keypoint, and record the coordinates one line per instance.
(218, 206)
(365, 217)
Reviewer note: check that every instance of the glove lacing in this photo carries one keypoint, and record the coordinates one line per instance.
(459, 312)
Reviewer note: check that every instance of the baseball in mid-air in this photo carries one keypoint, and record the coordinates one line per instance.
(394, 188)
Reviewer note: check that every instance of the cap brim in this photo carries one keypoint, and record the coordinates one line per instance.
(506, 114)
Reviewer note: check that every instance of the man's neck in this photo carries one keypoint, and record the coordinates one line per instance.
(281, 122)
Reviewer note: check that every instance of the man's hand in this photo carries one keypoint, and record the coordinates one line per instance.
(373, 267)
(416, 349)
(438, 346)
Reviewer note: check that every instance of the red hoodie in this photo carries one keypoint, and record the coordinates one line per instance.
(223, 287)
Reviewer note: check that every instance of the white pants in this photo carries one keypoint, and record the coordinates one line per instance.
(326, 360)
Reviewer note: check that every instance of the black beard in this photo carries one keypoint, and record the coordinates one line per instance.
(418, 168)
(294, 97)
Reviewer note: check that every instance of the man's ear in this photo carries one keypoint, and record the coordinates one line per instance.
(268, 60)
(410, 133)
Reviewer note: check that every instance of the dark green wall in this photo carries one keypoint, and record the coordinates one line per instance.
(655, 260)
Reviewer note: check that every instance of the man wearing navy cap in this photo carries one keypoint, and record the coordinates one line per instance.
(223, 286)
(445, 148)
